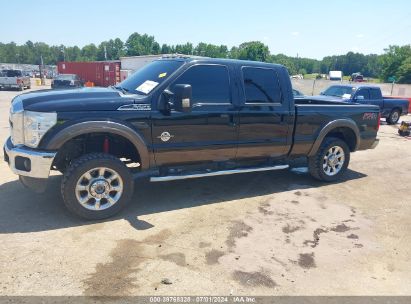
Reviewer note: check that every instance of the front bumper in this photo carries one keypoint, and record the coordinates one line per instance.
(28, 162)
(10, 86)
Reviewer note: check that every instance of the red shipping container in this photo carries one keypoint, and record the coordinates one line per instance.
(101, 73)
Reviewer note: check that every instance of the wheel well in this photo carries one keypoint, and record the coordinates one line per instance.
(345, 134)
(399, 109)
(113, 144)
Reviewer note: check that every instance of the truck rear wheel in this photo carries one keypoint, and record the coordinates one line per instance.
(330, 161)
(394, 116)
(96, 186)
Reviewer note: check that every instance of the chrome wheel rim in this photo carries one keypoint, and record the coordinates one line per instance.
(333, 160)
(99, 188)
(394, 116)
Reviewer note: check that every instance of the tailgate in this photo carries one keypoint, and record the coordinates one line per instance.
(8, 80)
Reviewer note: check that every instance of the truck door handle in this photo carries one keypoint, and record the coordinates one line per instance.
(231, 121)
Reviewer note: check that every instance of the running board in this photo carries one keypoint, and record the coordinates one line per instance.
(216, 173)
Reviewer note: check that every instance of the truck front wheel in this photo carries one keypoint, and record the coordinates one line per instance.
(96, 186)
(331, 160)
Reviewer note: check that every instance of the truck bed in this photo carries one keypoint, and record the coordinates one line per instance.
(313, 114)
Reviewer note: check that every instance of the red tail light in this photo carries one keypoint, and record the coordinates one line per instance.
(18, 80)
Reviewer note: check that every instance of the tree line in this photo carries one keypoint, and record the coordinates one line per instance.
(396, 61)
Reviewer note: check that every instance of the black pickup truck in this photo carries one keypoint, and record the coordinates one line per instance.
(179, 118)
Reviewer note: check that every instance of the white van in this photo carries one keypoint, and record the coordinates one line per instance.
(335, 75)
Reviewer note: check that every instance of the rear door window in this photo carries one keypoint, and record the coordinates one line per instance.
(375, 94)
(261, 85)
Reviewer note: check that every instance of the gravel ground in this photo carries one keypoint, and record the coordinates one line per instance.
(275, 233)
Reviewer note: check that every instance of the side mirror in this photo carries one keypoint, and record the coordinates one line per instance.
(182, 97)
(359, 97)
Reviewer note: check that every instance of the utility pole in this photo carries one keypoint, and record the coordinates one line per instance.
(105, 52)
(43, 82)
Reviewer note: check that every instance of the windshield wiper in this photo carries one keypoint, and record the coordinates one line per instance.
(123, 90)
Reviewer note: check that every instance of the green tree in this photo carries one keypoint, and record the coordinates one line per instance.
(404, 71)
(233, 53)
(138, 45)
(394, 58)
(166, 49)
(186, 49)
(73, 53)
(254, 50)
(211, 50)
(89, 52)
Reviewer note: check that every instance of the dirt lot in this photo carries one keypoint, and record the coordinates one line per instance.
(277, 233)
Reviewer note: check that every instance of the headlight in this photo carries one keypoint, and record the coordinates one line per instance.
(36, 124)
(16, 122)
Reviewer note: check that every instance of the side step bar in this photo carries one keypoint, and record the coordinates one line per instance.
(215, 173)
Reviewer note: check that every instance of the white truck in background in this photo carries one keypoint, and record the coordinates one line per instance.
(14, 79)
(335, 76)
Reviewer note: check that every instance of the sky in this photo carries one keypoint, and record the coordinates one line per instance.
(311, 28)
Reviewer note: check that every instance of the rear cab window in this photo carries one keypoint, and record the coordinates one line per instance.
(375, 94)
(12, 73)
(261, 86)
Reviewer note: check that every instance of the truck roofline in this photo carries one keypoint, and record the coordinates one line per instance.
(198, 59)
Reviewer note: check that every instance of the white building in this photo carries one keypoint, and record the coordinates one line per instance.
(134, 63)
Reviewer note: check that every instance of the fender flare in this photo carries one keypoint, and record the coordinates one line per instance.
(338, 123)
(111, 127)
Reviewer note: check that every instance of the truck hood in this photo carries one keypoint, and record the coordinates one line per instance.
(77, 100)
(329, 98)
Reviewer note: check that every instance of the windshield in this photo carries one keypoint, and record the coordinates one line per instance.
(65, 77)
(12, 73)
(147, 78)
(338, 91)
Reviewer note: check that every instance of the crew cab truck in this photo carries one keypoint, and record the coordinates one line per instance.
(390, 108)
(14, 79)
(179, 118)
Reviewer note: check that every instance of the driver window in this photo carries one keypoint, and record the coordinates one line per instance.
(364, 93)
(210, 83)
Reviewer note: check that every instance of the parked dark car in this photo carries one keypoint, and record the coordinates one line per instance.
(66, 81)
(390, 108)
(179, 118)
(357, 77)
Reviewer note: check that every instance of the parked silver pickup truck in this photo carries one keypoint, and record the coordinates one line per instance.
(14, 79)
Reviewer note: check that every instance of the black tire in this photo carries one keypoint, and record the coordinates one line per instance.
(394, 117)
(21, 88)
(84, 164)
(315, 163)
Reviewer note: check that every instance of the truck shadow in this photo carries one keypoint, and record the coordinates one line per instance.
(24, 211)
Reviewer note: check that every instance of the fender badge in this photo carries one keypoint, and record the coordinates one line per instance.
(165, 136)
